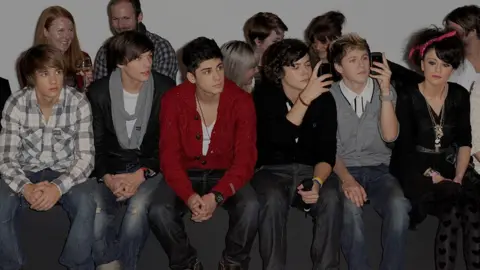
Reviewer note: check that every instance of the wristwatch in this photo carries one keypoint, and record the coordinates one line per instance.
(148, 173)
(218, 197)
(387, 98)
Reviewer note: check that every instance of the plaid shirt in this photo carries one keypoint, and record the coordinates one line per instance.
(164, 59)
(63, 144)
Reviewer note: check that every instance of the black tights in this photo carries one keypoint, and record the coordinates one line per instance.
(451, 220)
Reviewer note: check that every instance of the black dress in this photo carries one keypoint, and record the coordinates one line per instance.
(414, 151)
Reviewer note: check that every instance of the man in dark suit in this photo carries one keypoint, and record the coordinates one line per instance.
(4, 94)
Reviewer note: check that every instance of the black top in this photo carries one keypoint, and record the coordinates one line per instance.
(5, 92)
(110, 157)
(416, 130)
(276, 135)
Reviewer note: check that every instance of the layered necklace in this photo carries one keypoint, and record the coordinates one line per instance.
(203, 118)
(437, 127)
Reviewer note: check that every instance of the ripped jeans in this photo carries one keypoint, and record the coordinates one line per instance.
(122, 243)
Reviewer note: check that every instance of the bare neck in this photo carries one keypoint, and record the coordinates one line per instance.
(291, 93)
(432, 91)
(355, 86)
(46, 103)
(207, 98)
(131, 85)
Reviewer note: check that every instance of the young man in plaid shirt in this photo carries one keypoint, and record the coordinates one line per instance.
(46, 156)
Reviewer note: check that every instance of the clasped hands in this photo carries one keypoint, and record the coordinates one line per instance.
(202, 207)
(41, 196)
(124, 185)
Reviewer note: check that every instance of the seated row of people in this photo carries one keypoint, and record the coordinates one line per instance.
(299, 140)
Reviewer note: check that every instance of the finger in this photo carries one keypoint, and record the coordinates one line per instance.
(357, 198)
(385, 61)
(363, 193)
(379, 70)
(315, 71)
(300, 187)
(324, 77)
(43, 205)
(324, 84)
(39, 202)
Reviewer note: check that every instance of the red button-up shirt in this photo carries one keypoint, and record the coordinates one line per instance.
(232, 143)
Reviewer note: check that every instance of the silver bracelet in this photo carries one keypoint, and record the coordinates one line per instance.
(386, 98)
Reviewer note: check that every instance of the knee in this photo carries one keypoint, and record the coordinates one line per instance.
(273, 199)
(83, 201)
(351, 212)
(161, 214)
(9, 203)
(397, 209)
(329, 201)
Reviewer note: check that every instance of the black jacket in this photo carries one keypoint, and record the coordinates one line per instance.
(110, 157)
(5, 92)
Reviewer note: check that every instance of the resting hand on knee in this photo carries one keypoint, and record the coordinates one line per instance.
(354, 192)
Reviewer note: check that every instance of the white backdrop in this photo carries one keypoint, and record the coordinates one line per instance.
(385, 23)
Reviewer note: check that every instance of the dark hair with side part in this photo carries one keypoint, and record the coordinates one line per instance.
(260, 25)
(344, 44)
(199, 50)
(125, 47)
(468, 17)
(282, 54)
(450, 50)
(135, 4)
(38, 58)
(326, 27)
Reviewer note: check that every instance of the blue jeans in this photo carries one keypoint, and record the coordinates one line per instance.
(125, 243)
(78, 204)
(386, 197)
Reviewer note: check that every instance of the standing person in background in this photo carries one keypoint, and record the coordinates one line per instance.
(125, 15)
(240, 64)
(262, 30)
(320, 32)
(56, 27)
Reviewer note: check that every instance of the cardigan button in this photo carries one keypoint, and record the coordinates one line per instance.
(198, 136)
(197, 157)
(204, 162)
(196, 117)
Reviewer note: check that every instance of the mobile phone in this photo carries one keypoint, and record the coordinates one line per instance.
(325, 68)
(375, 57)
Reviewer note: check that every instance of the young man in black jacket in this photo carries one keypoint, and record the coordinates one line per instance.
(296, 142)
(125, 108)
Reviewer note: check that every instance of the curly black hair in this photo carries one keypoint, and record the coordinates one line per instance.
(450, 50)
(282, 54)
(199, 50)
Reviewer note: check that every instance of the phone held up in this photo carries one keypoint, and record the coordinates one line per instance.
(325, 68)
(375, 57)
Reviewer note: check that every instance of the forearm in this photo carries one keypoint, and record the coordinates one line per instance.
(463, 158)
(388, 122)
(296, 114)
(341, 170)
(322, 170)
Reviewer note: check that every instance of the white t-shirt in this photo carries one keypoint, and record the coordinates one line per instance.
(467, 77)
(207, 133)
(130, 103)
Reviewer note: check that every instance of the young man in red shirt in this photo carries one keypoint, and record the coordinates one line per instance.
(207, 154)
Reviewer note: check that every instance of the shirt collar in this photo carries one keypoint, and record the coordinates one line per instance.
(351, 95)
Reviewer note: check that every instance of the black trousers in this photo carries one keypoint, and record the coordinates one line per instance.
(275, 187)
(167, 210)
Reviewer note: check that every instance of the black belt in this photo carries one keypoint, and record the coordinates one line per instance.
(205, 172)
(422, 149)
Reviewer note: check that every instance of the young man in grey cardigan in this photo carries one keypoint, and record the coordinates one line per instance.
(366, 124)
